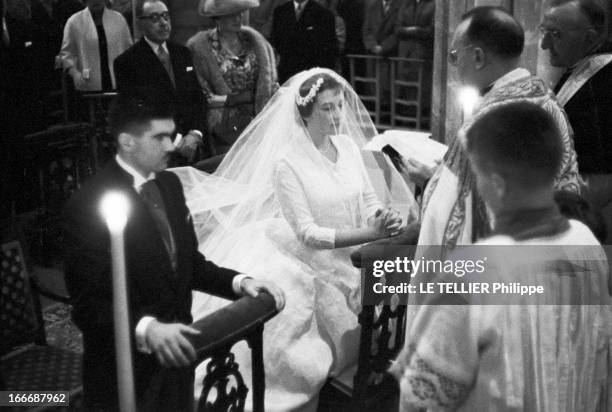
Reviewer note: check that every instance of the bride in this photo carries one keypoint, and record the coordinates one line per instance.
(289, 203)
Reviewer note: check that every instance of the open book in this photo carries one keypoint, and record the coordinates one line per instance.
(411, 145)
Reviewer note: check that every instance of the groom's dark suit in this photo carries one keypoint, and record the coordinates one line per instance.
(155, 289)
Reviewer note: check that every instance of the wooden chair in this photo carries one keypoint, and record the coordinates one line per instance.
(368, 86)
(27, 363)
(407, 93)
(383, 327)
(221, 330)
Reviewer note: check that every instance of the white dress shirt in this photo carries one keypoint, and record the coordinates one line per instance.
(155, 46)
(297, 5)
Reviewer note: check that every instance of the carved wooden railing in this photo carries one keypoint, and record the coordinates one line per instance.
(221, 330)
(383, 325)
(382, 337)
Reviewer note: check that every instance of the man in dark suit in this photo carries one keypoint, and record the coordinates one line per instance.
(162, 260)
(573, 32)
(304, 36)
(379, 39)
(379, 28)
(154, 63)
(414, 28)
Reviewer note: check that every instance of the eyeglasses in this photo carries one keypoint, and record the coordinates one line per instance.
(557, 34)
(453, 54)
(554, 33)
(156, 17)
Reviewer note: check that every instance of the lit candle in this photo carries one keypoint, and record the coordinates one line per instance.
(468, 98)
(115, 209)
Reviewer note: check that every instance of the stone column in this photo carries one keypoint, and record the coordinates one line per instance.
(446, 116)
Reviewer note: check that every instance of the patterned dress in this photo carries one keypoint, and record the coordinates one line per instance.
(240, 74)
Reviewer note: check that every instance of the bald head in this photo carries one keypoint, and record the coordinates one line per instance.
(486, 45)
(495, 30)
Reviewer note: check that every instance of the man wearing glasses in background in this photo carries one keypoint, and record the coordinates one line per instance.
(485, 50)
(573, 33)
(154, 64)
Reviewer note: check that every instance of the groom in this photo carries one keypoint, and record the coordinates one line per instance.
(163, 265)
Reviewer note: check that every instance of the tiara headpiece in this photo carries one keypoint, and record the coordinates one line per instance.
(303, 101)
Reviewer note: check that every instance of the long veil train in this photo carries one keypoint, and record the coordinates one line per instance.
(239, 223)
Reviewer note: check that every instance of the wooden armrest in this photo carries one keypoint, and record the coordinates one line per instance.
(408, 237)
(232, 323)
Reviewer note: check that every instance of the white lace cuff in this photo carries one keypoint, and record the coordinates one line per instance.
(423, 387)
(318, 237)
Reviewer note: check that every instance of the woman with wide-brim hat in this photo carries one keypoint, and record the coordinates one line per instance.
(236, 68)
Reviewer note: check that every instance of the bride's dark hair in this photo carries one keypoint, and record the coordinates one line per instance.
(329, 83)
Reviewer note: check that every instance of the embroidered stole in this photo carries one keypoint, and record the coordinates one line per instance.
(587, 68)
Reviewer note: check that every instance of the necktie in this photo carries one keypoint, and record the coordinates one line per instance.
(152, 197)
(5, 34)
(299, 10)
(164, 58)
(386, 6)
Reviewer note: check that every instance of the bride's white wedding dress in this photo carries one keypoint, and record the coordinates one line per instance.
(317, 334)
(271, 211)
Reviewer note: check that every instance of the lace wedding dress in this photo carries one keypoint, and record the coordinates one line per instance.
(271, 211)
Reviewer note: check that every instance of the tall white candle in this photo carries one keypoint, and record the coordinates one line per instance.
(115, 209)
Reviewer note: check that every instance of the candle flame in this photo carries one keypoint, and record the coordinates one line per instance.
(115, 208)
(468, 98)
